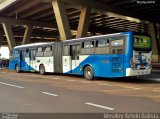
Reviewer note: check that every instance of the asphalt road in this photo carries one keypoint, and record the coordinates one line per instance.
(54, 93)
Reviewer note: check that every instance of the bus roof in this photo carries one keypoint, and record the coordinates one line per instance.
(33, 44)
(70, 40)
(92, 37)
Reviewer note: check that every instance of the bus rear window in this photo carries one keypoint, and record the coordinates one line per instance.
(142, 42)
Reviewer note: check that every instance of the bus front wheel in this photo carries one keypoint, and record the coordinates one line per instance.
(42, 69)
(17, 69)
(88, 73)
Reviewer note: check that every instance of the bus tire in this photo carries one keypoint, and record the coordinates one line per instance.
(17, 68)
(88, 73)
(42, 69)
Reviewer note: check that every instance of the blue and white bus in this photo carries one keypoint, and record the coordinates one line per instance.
(114, 55)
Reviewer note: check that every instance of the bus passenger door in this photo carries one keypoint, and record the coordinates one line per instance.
(75, 50)
(32, 59)
(22, 60)
(117, 58)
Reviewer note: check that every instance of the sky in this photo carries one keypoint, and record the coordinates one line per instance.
(4, 51)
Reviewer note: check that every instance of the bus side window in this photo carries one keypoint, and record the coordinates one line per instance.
(101, 43)
(117, 44)
(89, 44)
(48, 51)
(87, 47)
(102, 46)
(39, 52)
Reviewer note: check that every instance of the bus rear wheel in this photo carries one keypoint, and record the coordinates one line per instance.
(88, 73)
(17, 69)
(42, 69)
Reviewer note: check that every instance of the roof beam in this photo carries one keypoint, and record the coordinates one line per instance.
(73, 12)
(50, 13)
(74, 17)
(108, 8)
(33, 40)
(62, 20)
(6, 3)
(102, 29)
(122, 28)
(27, 34)
(9, 35)
(121, 23)
(43, 15)
(97, 16)
(26, 22)
(44, 35)
(83, 22)
(104, 18)
(30, 3)
(34, 33)
(37, 10)
(69, 14)
(94, 4)
(109, 14)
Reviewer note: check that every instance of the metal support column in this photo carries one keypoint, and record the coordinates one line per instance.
(9, 35)
(27, 34)
(83, 22)
(62, 20)
(152, 31)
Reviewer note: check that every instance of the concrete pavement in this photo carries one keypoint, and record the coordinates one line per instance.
(33, 93)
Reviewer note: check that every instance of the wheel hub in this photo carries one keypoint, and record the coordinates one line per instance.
(89, 73)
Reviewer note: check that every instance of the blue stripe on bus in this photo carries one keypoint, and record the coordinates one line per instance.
(23, 65)
(103, 66)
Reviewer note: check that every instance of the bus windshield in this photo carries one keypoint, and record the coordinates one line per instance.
(142, 42)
